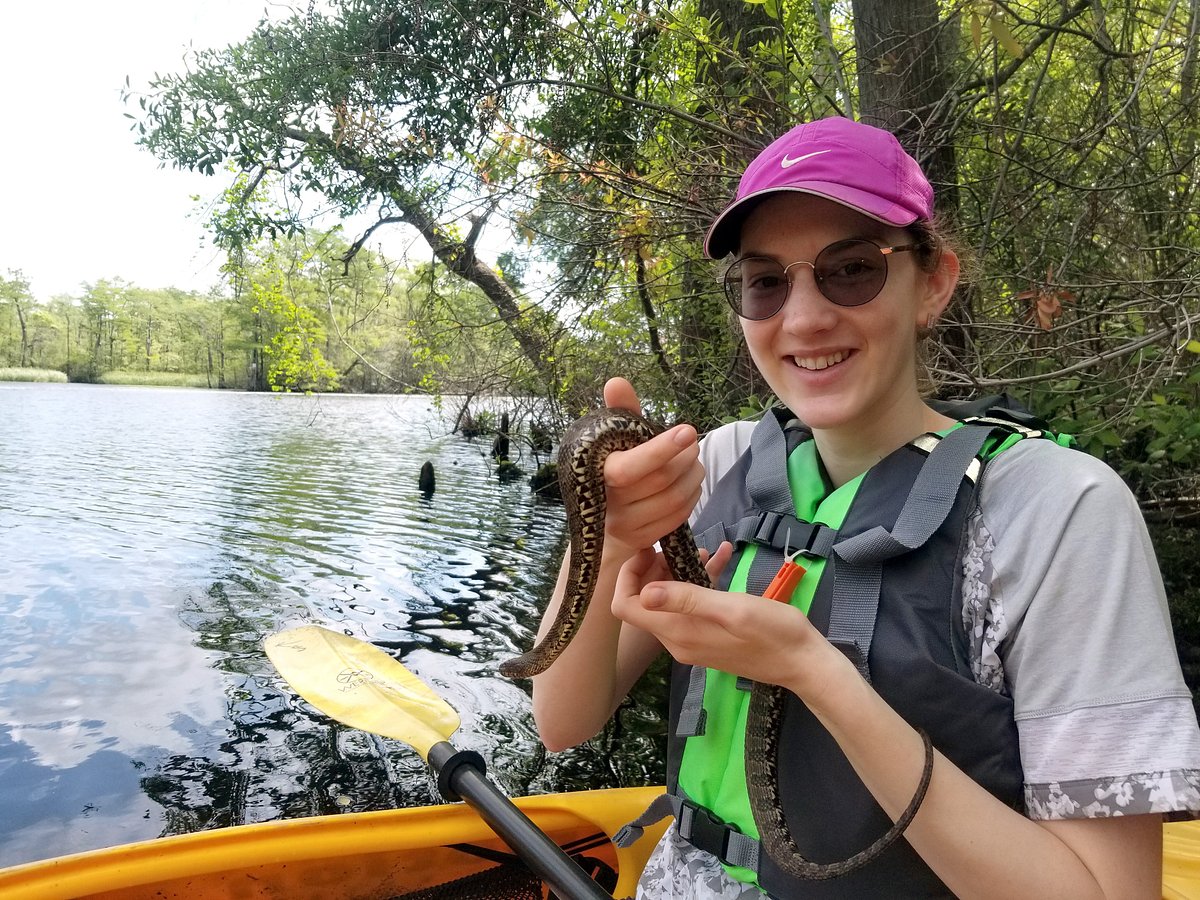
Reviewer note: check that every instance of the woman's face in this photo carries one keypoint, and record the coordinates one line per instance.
(837, 368)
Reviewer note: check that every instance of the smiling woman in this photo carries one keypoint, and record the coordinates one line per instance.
(916, 681)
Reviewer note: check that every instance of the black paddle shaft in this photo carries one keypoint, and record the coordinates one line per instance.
(462, 776)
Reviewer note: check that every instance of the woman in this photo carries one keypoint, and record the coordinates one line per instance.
(1028, 637)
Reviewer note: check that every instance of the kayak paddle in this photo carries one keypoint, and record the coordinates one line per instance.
(359, 685)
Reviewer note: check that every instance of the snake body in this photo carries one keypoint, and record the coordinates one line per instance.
(581, 456)
(584, 447)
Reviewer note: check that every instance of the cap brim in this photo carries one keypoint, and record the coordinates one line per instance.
(725, 231)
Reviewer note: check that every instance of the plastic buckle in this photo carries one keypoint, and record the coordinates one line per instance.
(768, 524)
(772, 526)
(814, 532)
(710, 834)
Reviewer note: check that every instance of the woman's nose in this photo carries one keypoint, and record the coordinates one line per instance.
(805, 307)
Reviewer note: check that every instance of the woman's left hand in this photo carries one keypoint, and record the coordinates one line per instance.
(764, 640)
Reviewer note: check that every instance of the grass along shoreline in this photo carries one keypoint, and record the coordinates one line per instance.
(25, 374)
(141, 379)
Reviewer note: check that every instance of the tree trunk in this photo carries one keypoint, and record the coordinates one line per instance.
(456, 255)
(24, 333)
(707, 387)
(459, 257)
(904, 53)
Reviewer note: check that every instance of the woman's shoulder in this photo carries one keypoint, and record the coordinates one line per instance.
(730, 440)
(1038, 476)
(719, 450)
(1063, 525)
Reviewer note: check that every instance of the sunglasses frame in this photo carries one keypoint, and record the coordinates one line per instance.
(733, 297)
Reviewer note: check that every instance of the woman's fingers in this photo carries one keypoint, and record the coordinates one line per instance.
(619, 394)
(715, 563)
(656, 463)
(746, 635)
(651, 489)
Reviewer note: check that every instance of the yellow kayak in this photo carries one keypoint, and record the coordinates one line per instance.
(422, 853)
(1181, 861)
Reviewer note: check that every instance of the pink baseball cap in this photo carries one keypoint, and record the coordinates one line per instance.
(856, 165)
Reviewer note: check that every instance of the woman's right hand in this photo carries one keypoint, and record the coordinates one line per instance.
(653, 488)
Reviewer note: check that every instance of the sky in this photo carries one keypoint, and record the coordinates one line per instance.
(79, 200)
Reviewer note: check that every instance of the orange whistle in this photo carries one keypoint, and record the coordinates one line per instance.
(785, 581)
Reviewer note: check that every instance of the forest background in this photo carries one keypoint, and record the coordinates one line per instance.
(600, 137)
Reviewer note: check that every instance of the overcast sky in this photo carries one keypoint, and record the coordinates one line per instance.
(79, 200)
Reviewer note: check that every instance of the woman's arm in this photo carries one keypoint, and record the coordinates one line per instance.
(977, 845)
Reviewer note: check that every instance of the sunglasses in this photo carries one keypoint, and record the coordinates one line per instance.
(848, 273)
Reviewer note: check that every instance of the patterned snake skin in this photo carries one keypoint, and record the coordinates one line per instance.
(581, 457)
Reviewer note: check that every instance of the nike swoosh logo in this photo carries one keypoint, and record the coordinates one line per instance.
(786, 162)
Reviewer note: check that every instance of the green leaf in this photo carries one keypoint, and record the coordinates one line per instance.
(1193, 346)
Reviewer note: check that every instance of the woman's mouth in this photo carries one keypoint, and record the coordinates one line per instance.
(817, 363)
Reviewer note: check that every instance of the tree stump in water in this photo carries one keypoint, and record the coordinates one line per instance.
(544, 482)
(500, 442)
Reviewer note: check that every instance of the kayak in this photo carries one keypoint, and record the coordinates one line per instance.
(1181, 861)
(421, 853)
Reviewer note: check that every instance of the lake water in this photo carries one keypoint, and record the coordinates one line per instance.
(150, 538)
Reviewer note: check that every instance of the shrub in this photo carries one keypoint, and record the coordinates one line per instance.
(14, 374)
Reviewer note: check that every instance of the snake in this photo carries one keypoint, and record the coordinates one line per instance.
(582, 451)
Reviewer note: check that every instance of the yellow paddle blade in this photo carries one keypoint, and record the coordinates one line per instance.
(360, 685)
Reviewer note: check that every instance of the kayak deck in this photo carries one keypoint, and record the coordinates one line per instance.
(408, 853)
(426, 853)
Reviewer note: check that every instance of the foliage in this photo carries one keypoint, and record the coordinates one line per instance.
(18, 324)
(292, 353)
(29, 374)
(296, 317)
(1061, 135)
(155, 379)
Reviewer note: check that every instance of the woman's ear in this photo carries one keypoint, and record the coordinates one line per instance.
(941, 283)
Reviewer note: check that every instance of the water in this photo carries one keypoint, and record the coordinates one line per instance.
(151, 538)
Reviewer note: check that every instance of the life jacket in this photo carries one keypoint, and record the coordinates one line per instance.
(883, 584)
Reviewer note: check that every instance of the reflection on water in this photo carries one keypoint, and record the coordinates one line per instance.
(150, 539)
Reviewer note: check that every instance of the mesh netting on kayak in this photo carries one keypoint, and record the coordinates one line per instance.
(509, 881)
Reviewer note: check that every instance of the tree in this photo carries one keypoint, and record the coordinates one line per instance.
(362, 109)
(14, 293)
(1061, 136)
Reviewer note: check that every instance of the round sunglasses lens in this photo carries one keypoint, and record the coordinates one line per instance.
(756, 287)
(851, 273)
